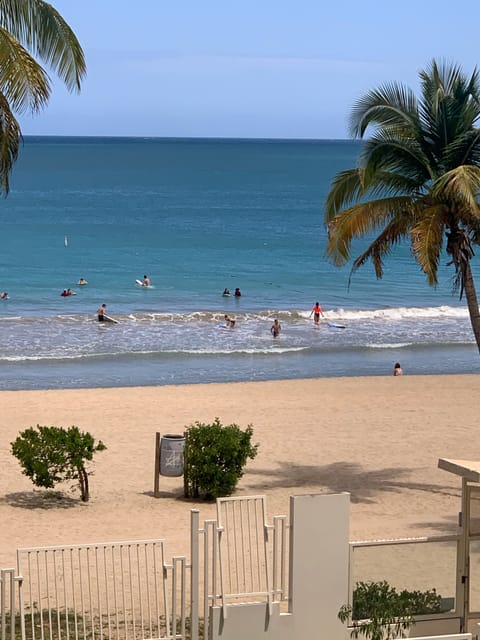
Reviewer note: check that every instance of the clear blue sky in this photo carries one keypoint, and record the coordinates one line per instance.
(258, 68)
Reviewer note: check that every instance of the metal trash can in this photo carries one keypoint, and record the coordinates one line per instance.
(171, 455)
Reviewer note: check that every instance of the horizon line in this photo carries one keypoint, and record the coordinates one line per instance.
(173, 138)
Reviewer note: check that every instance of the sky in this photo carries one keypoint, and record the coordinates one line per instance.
(249, 69)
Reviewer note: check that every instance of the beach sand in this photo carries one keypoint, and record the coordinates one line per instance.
(378, 438)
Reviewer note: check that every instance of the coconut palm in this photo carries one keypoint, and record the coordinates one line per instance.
(417, 180)
(31, 29)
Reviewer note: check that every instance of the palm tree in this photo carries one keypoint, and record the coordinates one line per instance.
(31, 29)
(417, 180)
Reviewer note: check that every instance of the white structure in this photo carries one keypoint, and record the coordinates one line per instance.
(245, 578)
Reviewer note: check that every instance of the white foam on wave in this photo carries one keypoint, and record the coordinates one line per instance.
(228, 352)
(394, 313)
(387, 345)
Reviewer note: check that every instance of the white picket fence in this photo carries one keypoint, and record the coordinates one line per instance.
(130, 591)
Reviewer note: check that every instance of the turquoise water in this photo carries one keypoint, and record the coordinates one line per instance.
(197, 216)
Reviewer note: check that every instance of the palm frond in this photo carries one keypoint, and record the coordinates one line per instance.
(427, 240)
(359, 220)
(347, 188)
(23, 81)
(41, 29)
(459, 187)
(391, 105)
(10, 138)
(449, 108)
(464, 149)
(394, 232)
(392, 151)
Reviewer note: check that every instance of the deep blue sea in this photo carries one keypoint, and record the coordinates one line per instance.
(197, 216)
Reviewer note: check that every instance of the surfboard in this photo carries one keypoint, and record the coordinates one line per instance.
(145, 286)
(109, 319)
(334, 325)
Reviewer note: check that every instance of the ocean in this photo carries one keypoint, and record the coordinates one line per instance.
(196, 216)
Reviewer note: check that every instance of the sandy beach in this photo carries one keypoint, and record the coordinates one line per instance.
(377, 438)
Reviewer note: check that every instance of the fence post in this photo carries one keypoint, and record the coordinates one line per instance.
(194, 573)
(156, 480)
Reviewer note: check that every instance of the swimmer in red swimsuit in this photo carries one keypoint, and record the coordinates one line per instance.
(316, 312)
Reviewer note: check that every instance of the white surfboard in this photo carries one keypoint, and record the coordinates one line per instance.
(145, 286)
(335, 325)
(109, 319)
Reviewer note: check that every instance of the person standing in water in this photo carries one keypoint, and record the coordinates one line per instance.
(397, 370)
(146, 281)
(101, 313)
(275, 328)
(317, 311)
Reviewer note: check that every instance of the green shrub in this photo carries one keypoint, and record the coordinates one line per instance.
(370, 597)
(215, 456)
(379, 612)
(49, 455)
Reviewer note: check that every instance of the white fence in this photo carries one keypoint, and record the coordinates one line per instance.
(130, 591)
(113, 591)
(245, 578)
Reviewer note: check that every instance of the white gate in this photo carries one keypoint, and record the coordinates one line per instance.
(104, 591)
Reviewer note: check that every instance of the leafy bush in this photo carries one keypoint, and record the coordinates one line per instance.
(379, 612)
(369, 597)
(49, 455)
(215, 456)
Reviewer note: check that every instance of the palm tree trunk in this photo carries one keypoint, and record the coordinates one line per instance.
(472, 302)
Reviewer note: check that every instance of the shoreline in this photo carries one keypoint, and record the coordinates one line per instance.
(378, 438)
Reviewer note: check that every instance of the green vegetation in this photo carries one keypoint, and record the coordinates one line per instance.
(379, 612)
(31, 29)
(417, 180)
(215, 456)
(49, 455)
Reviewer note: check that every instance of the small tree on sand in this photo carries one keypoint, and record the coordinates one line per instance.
(49, 455)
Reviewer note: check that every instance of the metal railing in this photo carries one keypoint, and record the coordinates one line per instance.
(109, 591)
(413, 564)
(128, 590)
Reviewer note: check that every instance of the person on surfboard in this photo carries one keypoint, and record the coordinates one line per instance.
(146, 281)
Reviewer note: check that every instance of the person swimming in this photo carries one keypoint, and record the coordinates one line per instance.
(229, 322)
(226, 292)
